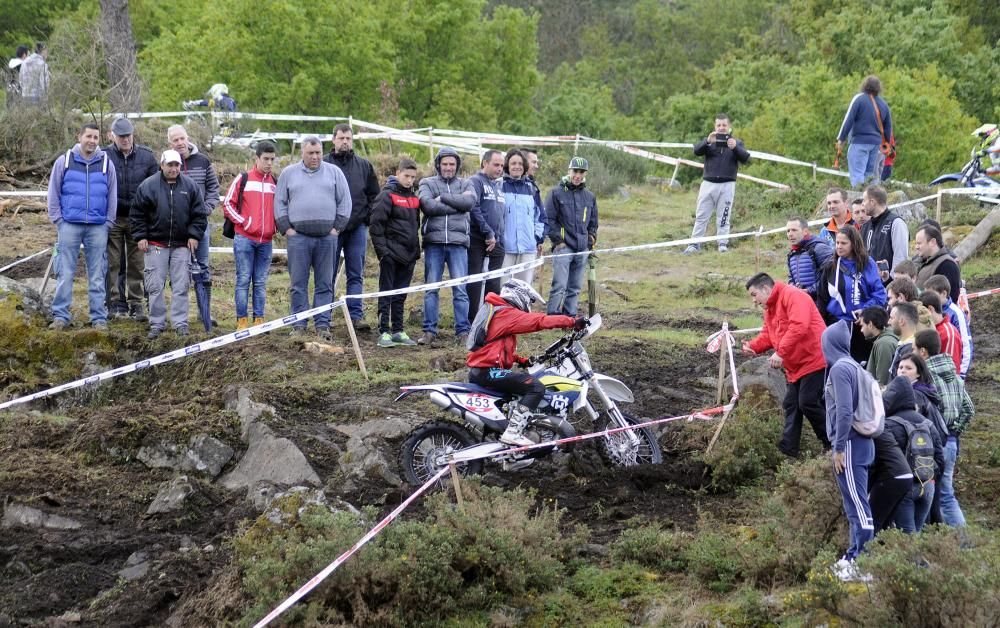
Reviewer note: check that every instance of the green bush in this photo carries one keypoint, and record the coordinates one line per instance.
(451, 563)
(652, 546)
(747, 447)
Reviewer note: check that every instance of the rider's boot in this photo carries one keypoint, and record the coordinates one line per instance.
(514, 434)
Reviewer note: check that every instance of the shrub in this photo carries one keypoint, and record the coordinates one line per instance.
(747, 447)
(652, 546)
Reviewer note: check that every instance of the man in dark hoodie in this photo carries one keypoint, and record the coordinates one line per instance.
(899, 402)
(353, 240)
(395, 223)
(853, 453)
(571, 210)
(487, 228)
(445, 201)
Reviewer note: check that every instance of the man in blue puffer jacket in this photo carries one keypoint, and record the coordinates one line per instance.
(83, 200)
(806, 257)
(524, 227)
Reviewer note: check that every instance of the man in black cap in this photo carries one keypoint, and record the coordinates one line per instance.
(134, 163)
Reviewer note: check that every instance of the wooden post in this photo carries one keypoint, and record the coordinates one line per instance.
(723, 353)
(48, 272)
(354, 341)
(756, 244)
(937, 216)
(718, 430)
(456, 480)
(673, 177)
(430, 143)
(576, 145)
(814, 171)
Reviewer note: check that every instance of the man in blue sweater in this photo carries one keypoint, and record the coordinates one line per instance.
(868, 121)
(311, 206)
(83, 201)
(853, 453)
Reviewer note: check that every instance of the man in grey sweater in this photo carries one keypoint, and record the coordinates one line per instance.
(311, 206)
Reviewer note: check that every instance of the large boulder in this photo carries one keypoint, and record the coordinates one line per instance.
(21, 516)
(202, 454)
(25, 298)
(757, 373)
(364, 459)
(247, 409)
(270, 460)
(171, 495)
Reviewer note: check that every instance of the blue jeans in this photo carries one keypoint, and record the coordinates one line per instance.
(253, 262)
(861, 162)
(853, 482)
(456, 257)
(201, 253)
(913, 509)
(567, 279)
(354, 244)
(314, 253)
(951, 512)
(94, 239)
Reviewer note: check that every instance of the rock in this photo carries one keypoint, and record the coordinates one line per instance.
(322, 348)
(204, 454)
(160, 456)
(363, 460)
(248, 410)
(171, 495)
(304, 498)
(270, 459)
(26, 298)
(914, 212)
(592, 550)
(19, 515)
(757, 372)
(135, 572)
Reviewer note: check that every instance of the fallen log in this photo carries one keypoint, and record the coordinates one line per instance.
(22, 205)
(978, 236)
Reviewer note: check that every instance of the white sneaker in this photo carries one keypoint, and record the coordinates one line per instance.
(848, 572)
(691, 249)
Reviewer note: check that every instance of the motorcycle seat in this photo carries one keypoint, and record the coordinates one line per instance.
(475, 388)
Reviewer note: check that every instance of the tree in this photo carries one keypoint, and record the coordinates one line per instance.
(124, 84)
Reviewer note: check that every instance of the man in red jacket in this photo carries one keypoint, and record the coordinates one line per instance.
(794, 328)
(491, 364)
(249, 205)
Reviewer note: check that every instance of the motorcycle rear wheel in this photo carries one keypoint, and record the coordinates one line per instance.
(424, 451)
(617, 449)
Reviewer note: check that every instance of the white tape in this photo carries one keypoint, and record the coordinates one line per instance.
(24, 259)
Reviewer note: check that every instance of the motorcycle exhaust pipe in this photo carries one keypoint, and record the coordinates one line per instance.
(443, 401)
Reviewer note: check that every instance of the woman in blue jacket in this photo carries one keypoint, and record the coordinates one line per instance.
(524, 228)
(850, 284)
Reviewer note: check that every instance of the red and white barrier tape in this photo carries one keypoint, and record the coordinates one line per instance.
(983, 293)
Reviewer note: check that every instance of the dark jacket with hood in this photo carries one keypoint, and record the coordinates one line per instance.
(168, 214)
(841, 384)
(571, 211)
(446, 221)
(395, 223)
(721, 162)
(900, 402)
(362, 182)
(489, 213)
(131, 170)
(199, 169)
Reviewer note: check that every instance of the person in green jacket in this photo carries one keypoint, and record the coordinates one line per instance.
(875, 327)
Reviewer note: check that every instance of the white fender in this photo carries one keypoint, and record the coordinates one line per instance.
(614, 388)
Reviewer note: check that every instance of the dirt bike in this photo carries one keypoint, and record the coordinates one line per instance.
(973, 174)
(564, 368)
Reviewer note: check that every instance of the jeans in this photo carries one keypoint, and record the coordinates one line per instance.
(94, 239)
(951, 512)
(861, 162)
(120, 242)
(853, 482)
(253, 262)
(314, 253)
(158, 264)
(456, 257)
(912, 510)
(354, 244)
(392, 276)
(884, 498)
(803, 398)
(477, 260)
(567, 279)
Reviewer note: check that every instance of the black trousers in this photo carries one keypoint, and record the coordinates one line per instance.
(513, 382)
(477, 254)
(884, 497)
(392, 275)
(861, 347)
(803, 398)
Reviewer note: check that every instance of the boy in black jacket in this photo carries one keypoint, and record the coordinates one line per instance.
(395, 224)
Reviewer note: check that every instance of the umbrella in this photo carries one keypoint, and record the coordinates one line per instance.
(202, 292)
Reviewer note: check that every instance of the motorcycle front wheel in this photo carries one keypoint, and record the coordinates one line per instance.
(425, 451)
(618, 449)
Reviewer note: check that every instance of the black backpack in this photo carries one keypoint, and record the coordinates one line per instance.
(481, 325)
(228, 228)
(919, 449)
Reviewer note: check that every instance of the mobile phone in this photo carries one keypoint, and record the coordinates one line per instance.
(883, 265)
(721, 138)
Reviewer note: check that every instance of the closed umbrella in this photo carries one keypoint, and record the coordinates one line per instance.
(202, 292)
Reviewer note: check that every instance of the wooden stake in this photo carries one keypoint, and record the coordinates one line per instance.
(938, 214)
(354, 341)
(756, 244)
(718, 430)
(456, 481)
(430, 143)
(723, 354)
(48, 271)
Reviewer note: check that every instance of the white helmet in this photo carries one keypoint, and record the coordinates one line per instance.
(520, 294)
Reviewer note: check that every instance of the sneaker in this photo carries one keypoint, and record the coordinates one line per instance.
(100, 325)
(181, 331)
(846, 571)
(58, 325)
(242, 323)
(692, 249)
(385, 340)
(154, 333)
(461, 339)
(138, 314)
(297, 331)
(400, 338)
(258, 320)
(723, 248)
(118, 314)
(324, 334)
(427, 338)
(361, 325)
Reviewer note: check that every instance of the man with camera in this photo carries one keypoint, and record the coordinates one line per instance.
(723, 155)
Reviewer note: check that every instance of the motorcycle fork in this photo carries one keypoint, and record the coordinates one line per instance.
(615, 414)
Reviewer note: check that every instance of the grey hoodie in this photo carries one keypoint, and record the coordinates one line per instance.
(445, 204)
(841, 384)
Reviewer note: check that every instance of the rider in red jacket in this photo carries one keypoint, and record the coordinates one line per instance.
(491, 365)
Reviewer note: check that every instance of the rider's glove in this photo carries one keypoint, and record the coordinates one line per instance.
(525, 362)
(581, 323)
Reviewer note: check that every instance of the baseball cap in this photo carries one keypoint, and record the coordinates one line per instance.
(578, 163)
(122, 126)
(170, 157)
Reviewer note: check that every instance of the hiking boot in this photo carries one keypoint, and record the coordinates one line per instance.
(427, 338)
(118, 313)
(297, 331)
(58, 325)
(242, 323)
(692, 249)
(361, 325)
(100, 325)
(723, 248)
(400, 338)
(154, 333)
(461, 339)
(385, 340)
(258, 320)
(324, 334)
(138, 314)
(181, 331)
(514, 434)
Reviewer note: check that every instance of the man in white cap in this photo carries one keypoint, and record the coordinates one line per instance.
(134, 163)
(168, 218)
